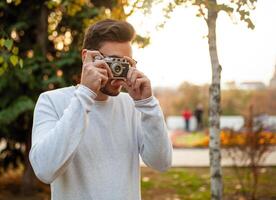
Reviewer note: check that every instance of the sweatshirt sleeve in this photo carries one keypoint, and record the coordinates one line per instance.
(154, 144)
(54, 140)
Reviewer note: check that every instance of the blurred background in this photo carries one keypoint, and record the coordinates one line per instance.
(40, 44)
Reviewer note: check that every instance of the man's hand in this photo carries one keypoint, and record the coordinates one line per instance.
(137, 84)
(94, 73)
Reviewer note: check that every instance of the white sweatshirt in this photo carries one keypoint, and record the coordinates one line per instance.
(89, 150)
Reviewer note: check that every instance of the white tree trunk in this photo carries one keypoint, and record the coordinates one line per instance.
(214, 109)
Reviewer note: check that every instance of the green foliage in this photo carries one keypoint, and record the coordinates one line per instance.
(19, 106)
(9, 55)
(141, 41)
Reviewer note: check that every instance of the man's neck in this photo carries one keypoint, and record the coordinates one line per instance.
(101, 97)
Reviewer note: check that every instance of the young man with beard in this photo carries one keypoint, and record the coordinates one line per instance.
(86, 139)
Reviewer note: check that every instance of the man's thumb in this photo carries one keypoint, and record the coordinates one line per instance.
(125, 85)
(88, 57)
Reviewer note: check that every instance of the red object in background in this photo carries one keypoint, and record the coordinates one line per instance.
(187, 114)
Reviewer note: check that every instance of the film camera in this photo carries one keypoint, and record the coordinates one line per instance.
(119, 66)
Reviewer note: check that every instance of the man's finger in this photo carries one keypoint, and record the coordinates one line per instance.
(104, 80)
(89, 56)
(124, 84)
(139, 82)
(129, 74)
(103, 71)
(117, 82)
(131, 61)
(132, 64)
(135, 74)
(102, 64)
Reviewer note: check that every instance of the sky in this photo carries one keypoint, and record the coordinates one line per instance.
(179, 51)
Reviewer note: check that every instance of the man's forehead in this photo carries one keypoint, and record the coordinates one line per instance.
(116, 49)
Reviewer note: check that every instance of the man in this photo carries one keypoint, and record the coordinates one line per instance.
(198, 115)
(87, 139)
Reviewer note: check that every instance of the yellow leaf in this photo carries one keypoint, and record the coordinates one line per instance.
(14, 60)
(17, 2)
(20, 63)
(1, 71)
(15, 50)
(2, 41)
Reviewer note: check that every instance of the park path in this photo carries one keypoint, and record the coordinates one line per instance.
(199, 157)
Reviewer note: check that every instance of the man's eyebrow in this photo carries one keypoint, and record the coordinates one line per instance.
(114, 56)
(109, 55)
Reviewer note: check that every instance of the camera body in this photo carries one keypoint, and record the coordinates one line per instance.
(119, 66)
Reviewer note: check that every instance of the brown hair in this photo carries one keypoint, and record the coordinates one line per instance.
(107, 30)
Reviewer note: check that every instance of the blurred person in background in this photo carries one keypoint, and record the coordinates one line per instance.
(187, 114)
(198, 113)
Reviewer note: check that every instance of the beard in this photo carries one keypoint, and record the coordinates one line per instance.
(109, 90)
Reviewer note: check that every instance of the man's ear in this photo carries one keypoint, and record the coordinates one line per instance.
(83, 54)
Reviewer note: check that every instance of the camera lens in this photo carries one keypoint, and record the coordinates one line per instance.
(117, 69)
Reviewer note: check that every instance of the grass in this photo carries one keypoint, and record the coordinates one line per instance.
(175, 184)
(194, 184)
